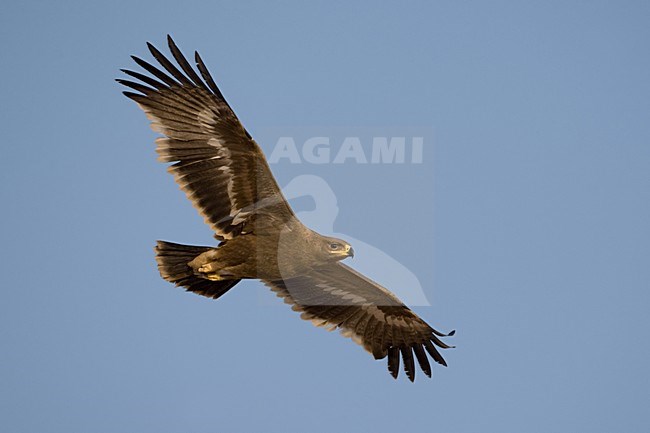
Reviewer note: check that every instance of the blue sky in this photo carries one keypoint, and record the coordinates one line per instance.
(526, 224)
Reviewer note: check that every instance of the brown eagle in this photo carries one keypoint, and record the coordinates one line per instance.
(225, 175)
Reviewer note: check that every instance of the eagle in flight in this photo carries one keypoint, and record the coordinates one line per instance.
(224, 173)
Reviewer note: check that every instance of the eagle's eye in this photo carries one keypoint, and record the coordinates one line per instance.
(335, 247)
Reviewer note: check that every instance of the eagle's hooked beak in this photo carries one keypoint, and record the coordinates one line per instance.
(349, 251)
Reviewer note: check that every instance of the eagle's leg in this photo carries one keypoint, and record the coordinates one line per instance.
(210, 266)
(206, 265)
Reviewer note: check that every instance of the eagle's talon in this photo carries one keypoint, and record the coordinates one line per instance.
(213, 277)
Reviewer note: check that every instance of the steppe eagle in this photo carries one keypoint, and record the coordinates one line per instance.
(225, 175)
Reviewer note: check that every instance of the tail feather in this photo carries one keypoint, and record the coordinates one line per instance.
(173, 265)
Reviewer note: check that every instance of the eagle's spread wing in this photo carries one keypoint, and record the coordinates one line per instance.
(216, 162)
(339, 297)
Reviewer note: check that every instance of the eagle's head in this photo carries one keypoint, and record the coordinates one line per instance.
(337, 249)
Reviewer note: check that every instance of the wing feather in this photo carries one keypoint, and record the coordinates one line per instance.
(155, 71)
(393, 361)
(409, 365)
(206, 75)
(422, 359)
(215, 161)
(145, 79)
(337, 296)
(184, 64)
(169, 66)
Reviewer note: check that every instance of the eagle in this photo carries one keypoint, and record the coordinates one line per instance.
(224, 173)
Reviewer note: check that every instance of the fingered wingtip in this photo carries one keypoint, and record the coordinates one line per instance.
(441, 334)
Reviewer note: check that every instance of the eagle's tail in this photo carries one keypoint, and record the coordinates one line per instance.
(173, 265)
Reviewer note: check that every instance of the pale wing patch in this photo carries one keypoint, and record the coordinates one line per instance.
(206, 121)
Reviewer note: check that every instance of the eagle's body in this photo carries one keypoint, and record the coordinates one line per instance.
(225, 175)
(267, 255)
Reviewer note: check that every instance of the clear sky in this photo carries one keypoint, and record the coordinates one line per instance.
(526, 224)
